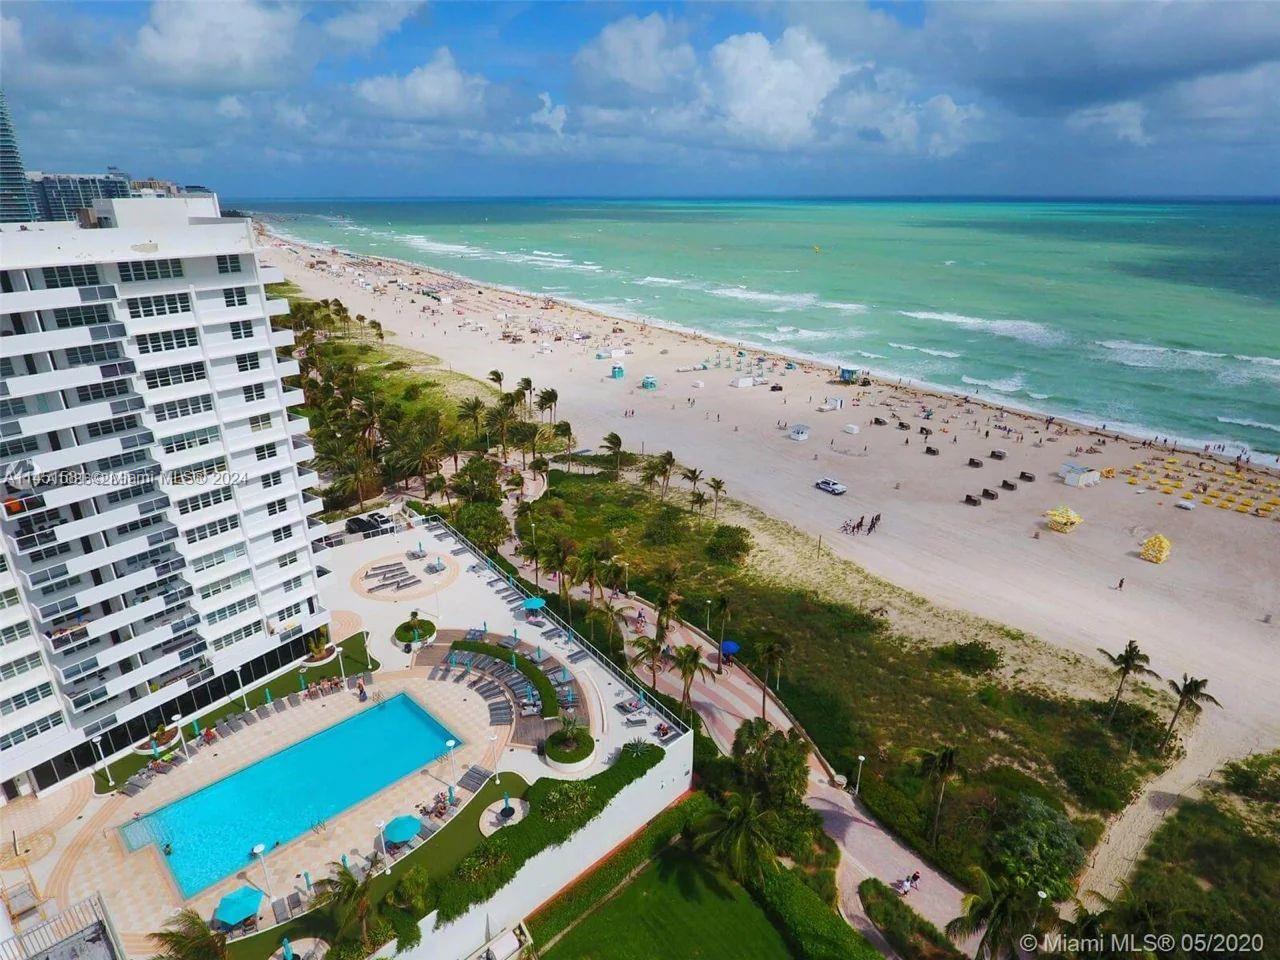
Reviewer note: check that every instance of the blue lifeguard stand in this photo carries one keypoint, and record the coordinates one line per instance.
(616, 372)
(650, 382)
(848, 374)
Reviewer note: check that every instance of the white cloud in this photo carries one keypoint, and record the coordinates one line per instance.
(1124, 120)
(434, 91)
(646, 56)
(231, 107)
(228, 45)
(771, 93)
(364, 24)
(550, 116)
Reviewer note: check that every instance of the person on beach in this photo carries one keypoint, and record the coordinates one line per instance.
(1120, 585)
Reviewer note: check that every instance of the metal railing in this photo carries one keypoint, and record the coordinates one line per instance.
(77, 919)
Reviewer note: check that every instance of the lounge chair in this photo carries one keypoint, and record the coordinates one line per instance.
(635, 722)
(351, 682)
(247, 718)
(579, 655)
(294, 700)
(178, 759)
(131, 789)
(223, 730)
(235, 724)
(263, 712)
(280, 909)
(368, 678)
(280, 705)
(294, 902)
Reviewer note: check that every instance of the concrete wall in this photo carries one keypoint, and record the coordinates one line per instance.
(555, 868)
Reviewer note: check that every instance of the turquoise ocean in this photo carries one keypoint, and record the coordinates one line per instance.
(1156, 318)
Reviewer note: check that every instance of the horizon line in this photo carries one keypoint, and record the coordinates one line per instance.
(907, 197)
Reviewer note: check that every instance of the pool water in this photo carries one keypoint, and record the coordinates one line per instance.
(212, 832)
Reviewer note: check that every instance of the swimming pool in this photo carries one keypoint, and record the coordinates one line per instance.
(212, 832)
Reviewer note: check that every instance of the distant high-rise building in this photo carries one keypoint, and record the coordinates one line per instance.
(151, 187)
(16, 205)
(59, 195)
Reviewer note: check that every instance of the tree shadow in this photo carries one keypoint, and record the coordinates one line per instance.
(695, 876)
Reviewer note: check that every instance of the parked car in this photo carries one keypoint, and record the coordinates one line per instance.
(380, 521)
(360, 525)
(833, 487)
(776, 388)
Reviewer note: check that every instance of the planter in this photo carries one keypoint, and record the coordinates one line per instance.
(404, 632)
(570, 761)
(165, 742)
(329, 655)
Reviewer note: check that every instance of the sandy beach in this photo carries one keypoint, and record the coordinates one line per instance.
(1212, 610)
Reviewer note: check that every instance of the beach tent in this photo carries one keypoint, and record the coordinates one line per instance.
(617, 371)
(851, 428)
(1078, 475)
(1156, 548)
(1063, 519)
(742, 382)
(799, 432)
(650, 382)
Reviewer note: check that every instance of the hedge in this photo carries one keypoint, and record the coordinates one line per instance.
(541, 682)
(811, 928)
(914, 937)
(588, 893)
(582, 747)
(557, 810)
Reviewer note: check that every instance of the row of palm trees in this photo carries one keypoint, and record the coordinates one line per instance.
(1191, 691)
(658, 471)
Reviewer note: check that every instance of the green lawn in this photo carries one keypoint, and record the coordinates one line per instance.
(678, 907)
(355, 659)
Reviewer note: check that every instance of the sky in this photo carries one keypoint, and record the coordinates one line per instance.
(406, 98)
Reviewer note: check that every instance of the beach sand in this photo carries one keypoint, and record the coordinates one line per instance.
(1207, 611)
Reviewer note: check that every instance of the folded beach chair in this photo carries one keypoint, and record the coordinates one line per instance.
(368, 678)
(235, 725)
(263, 712)
(635, 721)
(246, 718)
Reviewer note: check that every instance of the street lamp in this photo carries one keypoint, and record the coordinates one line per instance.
(857, 785)
(97, 741)
(453, 770)
(258, 851)
(493, 739)
(182, 738)
(382, 836)
(708, 617)
(244, 691)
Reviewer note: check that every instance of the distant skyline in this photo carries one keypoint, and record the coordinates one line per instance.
(857, 100)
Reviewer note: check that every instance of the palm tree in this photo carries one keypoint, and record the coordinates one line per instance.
(472, 410)
(417, 445)
(698, 499)
(186, 936)
(557, 554)
(525, 388)
(690, 664)
(1191, 697)
(648, 655)
(739, 836)
(1127, 661)
(547, 400)
(564, 430)
(436, 485)
(613, 444)
(716, 486)
(349, 896)
(941, 766)
(528, 550)
(771, 652)
(495, 376)
(1003, 911)
(500, 420)
(357, 475)
(667, 464)
(722, 604)
(692, 476)
(452, 447)
(650, 473)
(614, 621)
(667, 599)
(539, 466)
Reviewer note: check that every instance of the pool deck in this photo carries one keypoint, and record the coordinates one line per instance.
(70, 835)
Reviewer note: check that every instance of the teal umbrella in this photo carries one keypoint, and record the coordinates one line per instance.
(534, 603)
(155, 748)
(288, 948)
(513, 659)
(238, 906)
(195, 728)
(302, 682)
(402, 829)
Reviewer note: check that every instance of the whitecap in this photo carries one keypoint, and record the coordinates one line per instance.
(932, 353)
(793, 300)
(1259, 424)
(845, 307)
(659, 281)
(1008, 385)
(1027, 331)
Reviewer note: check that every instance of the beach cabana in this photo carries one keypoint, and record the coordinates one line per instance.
(650, 382)
(742, 382)
(1078, 475)
(799, 432)
(848, 375)
(1063, 519)
(617, 371)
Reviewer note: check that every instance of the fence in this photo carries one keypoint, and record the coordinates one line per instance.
(89, 914)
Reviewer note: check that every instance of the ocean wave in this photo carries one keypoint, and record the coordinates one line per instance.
(445, 249)
(1039, 396)
(1250, 423)
(869, 355)
(932, 353)
(1027, 331)
(1266, 361)
(781, 334)
(1008, 385)
(659, 281)
(794, 301)
(845, 307)
(1155, 348)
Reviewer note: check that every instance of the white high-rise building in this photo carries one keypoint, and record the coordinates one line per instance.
(156, 528)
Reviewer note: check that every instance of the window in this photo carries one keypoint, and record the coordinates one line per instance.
(289, 559)
(218, 557)
(292, 584)
(12, 408)
(121, 460)
(94, 353)
(213, 529)
(202, 501)
(77, 275)
(260, 422)
(14, 448)
(255, 392)
(159, 305)
(105, 428)
(198, 471)
(241, 329)
(228, 263)
(19, 631)
(8, 599)
(231, 610)
(168, 376)
(281, 534)
(225, 585)
(49, 552)
(265, 452)
(86, 316)
(133, 526)
(182, 407)
(235, 636)
(235, 297)
(93, 392)
(130, 493)
(292, 610)
(25, 698)
(16, 668)
(149, 270)
(273, 479)
(189, 440)
(167, 340)
(15, 737)
(247, 361)
(277, 506)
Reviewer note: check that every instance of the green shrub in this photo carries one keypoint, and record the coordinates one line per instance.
(395, 365)
(823, 883)
(729, 544)
(563, 749)
(1256, 777)
(483, 524)
(587, 893)
(972, 657)
(412, 392)
(666, 527)
(812, 930)
(1099, 782)
(1040, 846)
(424, 628)
(541, 682)
(914, 937)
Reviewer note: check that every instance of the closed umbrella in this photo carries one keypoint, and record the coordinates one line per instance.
(288, 948)
(155, 749)
(238, 906)
(195, 728)
(402, 829)
(268, 694)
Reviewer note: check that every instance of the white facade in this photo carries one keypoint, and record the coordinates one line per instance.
(139, 358)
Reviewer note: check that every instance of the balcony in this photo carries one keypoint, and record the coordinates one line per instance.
(302, 450)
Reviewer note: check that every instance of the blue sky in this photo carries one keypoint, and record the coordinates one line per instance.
(401, 98)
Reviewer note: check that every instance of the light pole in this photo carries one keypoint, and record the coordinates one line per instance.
(857, 785)
(493, 739)
(258, 851)
(626, 578)
(342, 667)
(453, 770)
(182, 737)
(382, 836)
(97, 742)
(244, 691)
(708, 617)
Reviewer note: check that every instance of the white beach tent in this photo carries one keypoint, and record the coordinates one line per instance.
(799, 432)
(1078, 475)
(851, 428)
(742, 382)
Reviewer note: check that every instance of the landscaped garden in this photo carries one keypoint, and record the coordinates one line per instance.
(415, 630)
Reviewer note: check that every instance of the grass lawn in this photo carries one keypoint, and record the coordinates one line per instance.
(678, 907)
(355, 659)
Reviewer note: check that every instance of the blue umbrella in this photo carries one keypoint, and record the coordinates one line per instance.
(288, 948)
(402, 829)
(344, 862)
(534, 603)
(731, 647)
(238, 906)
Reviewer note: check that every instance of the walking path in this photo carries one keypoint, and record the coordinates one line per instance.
(724, 701)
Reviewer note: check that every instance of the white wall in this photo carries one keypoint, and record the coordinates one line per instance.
(555, 868)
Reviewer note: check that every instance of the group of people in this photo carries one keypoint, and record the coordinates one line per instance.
(907, 884)
(438, 807)
(317, 689)
(628, 414)
(861, 525)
